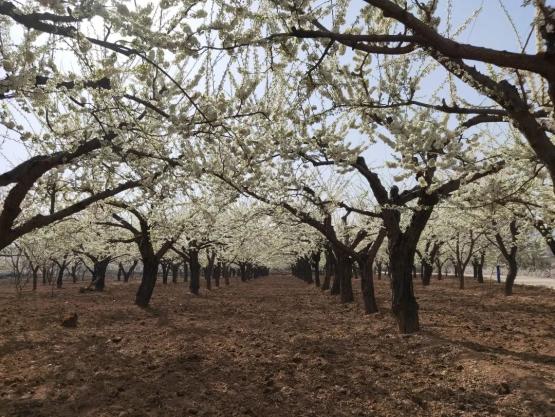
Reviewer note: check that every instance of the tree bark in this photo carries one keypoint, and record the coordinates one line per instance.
(367, 285)
(316, 266)
(61, 269)
(148, 281)
(404, 305)
(439, 266)
(194, 284)
(35, 271)
(328, 268)
(335, 285)
(165, 271)
(243, 271)
(427, 270)
(217, 274)
(511, 276)
(100, 268)
(226, 273)
(509, 253)
(460, 274)
(343, 275)
(175, 272)
(127, 274)
(480, 267)
(185, 272)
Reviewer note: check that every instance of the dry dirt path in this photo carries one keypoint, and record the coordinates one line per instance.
(276, 347)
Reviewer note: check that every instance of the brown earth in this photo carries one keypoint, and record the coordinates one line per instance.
(275, 347)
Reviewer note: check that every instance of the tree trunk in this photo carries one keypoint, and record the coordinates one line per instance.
(335, 285)
(439, 270)
(165, 272)
(511, 276)
(217, 273)
(459, 272)
(226, 274)
(148, 281)
(427, 270)
(243, 271)
(316, 265)
(35, 277)
(343, 274)
(185, 272)
(127, 274)
(100, 274)
(367, 285)
(480, 266)
(61, 270)
(194, 284)
(328, 268)
(317, 275)
(209, 270)
(175, 272)
(50, 273)
(404, 305)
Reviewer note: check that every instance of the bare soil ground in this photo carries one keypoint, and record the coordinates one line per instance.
(276, 347)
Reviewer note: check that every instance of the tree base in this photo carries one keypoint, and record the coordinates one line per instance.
(407, 317)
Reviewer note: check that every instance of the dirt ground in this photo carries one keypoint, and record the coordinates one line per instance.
(276, 347)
